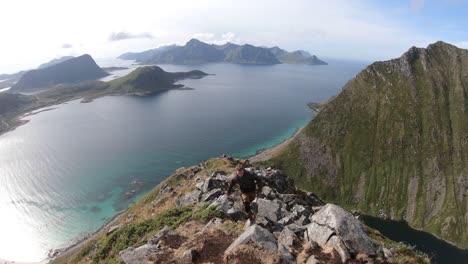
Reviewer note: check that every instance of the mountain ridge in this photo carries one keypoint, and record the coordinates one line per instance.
(196, 52)
(391, 143)
(73, 70)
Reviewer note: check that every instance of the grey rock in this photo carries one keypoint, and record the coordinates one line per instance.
(387, 253)
(286, 256)
(165, 231)
(289, 198)
(213, 183)
(301, 210)
(268, 209)
(279, 181)
(302, 221)
(333, 221)
(339, 246)
(296, 228)
(287, 238)
(257, 235)
(188, 199)
(266, 191)
(187, 257)
(140, 255)
(288, 219)
(211, 195)
(113, 228)
(213, 223)
(318, 233)
(313, 260)
(199, 185)
(222, 203)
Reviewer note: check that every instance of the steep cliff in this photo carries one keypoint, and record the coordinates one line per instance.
(394, 142)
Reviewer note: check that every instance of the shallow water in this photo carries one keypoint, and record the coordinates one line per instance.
(66, 172)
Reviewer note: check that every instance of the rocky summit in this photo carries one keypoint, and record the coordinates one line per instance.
(188, 219)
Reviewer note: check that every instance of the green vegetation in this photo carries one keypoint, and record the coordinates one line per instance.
(315, 106)
(393, 143)
(71, 70)
(136, 234)
(142, 81)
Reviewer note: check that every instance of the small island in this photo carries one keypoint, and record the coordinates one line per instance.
(143, 81)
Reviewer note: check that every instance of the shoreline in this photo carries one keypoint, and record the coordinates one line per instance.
(267, 153)
(76, 245)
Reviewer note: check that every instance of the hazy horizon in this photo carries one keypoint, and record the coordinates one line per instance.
(359, 30)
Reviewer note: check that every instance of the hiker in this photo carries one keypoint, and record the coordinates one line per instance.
(248, 182)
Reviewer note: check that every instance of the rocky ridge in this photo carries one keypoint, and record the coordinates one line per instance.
(205, 226)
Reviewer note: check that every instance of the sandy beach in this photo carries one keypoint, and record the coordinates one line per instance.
(266, 154)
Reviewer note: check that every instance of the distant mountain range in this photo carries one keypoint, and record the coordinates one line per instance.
(196, 52)
(69, 70)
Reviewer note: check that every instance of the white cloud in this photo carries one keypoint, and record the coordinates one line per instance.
(67, 46)
(461, 44)
(332, 28)
(219, 39)
(123, 35)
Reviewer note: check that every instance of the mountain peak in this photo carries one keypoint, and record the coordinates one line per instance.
(194, 41)
(74, 70)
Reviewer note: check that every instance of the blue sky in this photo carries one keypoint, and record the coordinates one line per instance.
(344, 29)
(442, 19)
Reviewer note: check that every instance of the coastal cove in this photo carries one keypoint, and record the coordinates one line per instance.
(440, 251)
(69, 170)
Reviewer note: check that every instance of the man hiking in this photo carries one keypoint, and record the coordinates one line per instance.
(248, 182)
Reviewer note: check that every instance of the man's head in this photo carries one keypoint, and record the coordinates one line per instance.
(240, 170)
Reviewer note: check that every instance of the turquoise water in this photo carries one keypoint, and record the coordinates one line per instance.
(271, 142)
(66, 172)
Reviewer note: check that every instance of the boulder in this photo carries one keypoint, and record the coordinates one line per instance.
(113, 228)
(256, 235)
(211, 195)
(285, 255)
(188, 199)
(140, 255)
(334, 226)
(313, 260)
(280, 182)
(165, 231)
(213, 183)
(287, 238)
(268, 209)
(213, 223)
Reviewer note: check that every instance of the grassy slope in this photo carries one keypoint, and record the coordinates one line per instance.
(394, 142)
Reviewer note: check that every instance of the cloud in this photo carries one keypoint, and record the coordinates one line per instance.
(67, 46)
(123, 35)
(416, 5)
(461, 44)
(217, 39)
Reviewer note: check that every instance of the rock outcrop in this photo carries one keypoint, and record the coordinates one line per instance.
(293, 216)
(189, 219)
